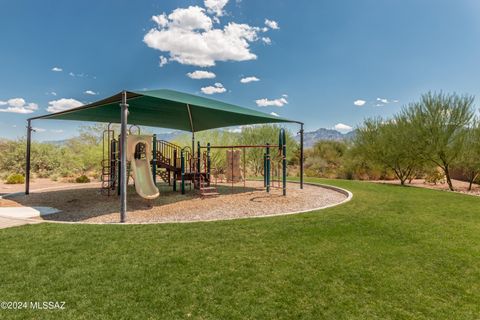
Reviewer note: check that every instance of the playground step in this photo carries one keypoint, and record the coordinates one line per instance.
(210, 194)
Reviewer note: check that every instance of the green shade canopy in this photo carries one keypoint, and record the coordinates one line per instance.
(167, 109)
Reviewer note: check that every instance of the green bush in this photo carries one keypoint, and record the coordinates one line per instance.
(43, 174)
(435, 177)
(15, 178)
(82, 179)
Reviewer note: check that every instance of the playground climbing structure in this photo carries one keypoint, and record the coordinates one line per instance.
(150, 159)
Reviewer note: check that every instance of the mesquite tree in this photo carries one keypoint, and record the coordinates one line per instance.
(469, 160)
(389, 143)
(440, 120)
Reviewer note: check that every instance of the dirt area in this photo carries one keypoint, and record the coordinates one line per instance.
(459, 186)
(38, 185)
(85, 203)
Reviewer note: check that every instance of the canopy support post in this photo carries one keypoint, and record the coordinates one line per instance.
(301, 156)
(284, 161)
(27, 165)
(192, 129)
(123, 158)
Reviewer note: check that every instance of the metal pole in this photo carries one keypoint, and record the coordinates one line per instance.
(284, 164)
(112, 157)
(123, 158)
(244, 170)
(264, 170)
(193, 144)
(301, 156)
(154, 159)
(208, 163)
(182, 168)
(268, 168)
(174, 169)
(119, 164)
(198, 157)
(27, 165)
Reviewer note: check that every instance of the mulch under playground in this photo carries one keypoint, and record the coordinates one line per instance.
(89, 206)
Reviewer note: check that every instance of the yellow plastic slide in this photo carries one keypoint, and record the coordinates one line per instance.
(142, 174)
(140, 168)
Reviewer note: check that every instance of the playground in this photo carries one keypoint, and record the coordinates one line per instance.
(167, 182)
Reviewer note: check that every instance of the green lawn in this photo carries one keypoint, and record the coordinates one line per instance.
(390, 253)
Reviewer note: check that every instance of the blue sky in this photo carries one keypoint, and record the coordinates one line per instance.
(321, 62)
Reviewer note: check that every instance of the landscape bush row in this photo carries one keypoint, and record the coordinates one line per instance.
(430, 138)
(82, 156)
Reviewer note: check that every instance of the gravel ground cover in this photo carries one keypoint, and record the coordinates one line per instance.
(86, 204)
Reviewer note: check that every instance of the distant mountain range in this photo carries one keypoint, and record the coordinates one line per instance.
(169, 136)
(58, 143)
(310, 137)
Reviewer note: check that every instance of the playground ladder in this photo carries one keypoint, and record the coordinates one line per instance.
(109, 162)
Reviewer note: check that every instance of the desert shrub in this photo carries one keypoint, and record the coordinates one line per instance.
(4, 175)
(15, 178)
(43, 174)
(65, 173)
(82, 179)
(435, 177)
(325, 159)
(95, 175)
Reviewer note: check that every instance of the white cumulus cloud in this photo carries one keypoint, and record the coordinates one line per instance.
(274, 114)
(163, 61)
(18, 105)
(249, 79)
(216, 88)
(359, 102)
(272, 24)
(201, 74)
(343, 127)
(91, 93)
(57, 69)
(280, 102)
(189, 37)
(216, 6)
(161, 19)
(63, 104)
(267, 40)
